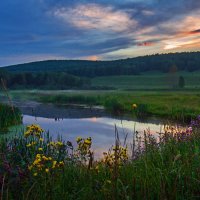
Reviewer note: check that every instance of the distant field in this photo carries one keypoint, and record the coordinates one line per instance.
(149, 81)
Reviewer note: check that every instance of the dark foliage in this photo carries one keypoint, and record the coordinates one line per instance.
(188, 61)
(43, 80)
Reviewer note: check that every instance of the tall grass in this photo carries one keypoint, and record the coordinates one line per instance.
(166, 105)
(9, 116)
(166, 167)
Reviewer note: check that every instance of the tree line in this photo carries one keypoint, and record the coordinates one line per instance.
(188, 61)
(43, 80)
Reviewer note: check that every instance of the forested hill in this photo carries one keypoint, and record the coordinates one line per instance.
(188, 61)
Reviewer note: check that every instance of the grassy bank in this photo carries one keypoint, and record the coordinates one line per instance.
(35, 167)
(177, 105)
(9, 116)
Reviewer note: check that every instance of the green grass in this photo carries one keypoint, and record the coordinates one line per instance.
(9, 116)
(178, 105)
(153, 80)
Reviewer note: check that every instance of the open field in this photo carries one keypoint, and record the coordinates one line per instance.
(150, 80)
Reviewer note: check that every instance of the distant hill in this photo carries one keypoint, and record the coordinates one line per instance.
(187, 61)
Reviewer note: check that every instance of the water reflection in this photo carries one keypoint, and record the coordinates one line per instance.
(102, 129)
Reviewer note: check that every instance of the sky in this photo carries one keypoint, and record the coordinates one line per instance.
(32, 30)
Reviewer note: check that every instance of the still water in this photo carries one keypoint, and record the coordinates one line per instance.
(100, 129)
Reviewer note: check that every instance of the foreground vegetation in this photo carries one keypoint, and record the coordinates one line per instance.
(35, 167)
(9, 116)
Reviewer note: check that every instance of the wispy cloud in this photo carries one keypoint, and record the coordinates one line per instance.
(94, 16)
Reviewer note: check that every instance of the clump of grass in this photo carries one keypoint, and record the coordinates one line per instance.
(75, 99)
(9, 116)
(114, 106)
(142, 111)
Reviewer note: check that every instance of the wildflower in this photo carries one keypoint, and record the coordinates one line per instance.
(108, 181)
(30, 167)
(59, 143)
(61, 164)
(54, 164)
(44, 158)
(50, 158)
(33, 130)
(40, 149)
(35, 174)
(47, 170)
(88, 142)
(41, 139)
(78, 139)
(134, 106)
(28, 145)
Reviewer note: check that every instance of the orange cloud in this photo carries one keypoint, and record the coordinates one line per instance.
(187, 38)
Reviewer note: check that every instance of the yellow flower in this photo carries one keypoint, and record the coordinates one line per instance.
(38, 156)
(35, 174)
(54, 164)
(78, 139)
(41, 139)
(108, 181)
(44, 158)
(59, 143)
(40, 149)
(30, 167)
(134, 106)
(47, 170)
(88, 142)
(50, 158)
(28, 145)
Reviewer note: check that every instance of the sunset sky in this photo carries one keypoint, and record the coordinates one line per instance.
(32, 30)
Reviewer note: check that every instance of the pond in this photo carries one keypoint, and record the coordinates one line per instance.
(70, 122)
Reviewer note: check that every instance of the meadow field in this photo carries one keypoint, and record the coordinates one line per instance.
(149, 81)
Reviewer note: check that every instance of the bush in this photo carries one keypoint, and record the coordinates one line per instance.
(142, 111)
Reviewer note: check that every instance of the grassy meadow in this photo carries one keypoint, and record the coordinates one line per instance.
(149, 81)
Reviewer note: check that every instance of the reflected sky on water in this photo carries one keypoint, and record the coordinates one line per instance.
(102, 129)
